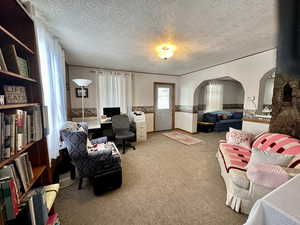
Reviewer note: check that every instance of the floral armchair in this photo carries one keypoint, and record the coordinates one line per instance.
(87, 163)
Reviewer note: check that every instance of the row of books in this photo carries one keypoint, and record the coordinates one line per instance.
(11, 61)
(15, 179)
(18, 128)
(33, 211)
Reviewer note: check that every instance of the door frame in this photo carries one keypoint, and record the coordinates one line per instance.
(173, 102)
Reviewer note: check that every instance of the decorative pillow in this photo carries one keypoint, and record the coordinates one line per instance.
(266, 157)
(267, 175)
(237, 115)
(225, 117)
(239, 137)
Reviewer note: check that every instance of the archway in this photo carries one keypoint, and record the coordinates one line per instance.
(227, 92)
(265, 96)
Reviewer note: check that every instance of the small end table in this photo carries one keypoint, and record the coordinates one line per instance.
(205, 126)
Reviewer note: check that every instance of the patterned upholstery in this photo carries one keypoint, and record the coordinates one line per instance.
(87, 163)
(280, 143)
(242, 193)
(234, 156)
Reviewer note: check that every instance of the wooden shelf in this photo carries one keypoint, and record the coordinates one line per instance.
(37, 172)
(10, 75)
(12, 158)
(6, 36)
(14, 106)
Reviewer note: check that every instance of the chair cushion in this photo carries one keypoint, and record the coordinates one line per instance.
(239, 178)
(124, 135)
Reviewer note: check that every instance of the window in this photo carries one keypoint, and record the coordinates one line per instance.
(163, 98)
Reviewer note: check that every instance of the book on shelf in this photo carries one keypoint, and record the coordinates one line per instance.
(23, 67)
(10, 171)
(33, 210)
(15, 94)
(13, 61)
(53, 219)
(9, 197)
(2, 62)
(10, 56)
(2, 213)
(24, 168)
(19, 128)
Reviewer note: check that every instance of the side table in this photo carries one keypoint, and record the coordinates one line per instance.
(205, 126)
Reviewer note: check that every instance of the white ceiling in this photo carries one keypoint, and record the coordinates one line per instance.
(122, 34)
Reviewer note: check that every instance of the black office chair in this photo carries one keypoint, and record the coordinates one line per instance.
(121, 128)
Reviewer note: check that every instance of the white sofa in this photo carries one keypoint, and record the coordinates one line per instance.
(241, 192)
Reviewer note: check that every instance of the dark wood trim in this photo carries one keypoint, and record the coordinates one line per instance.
(173, 102)
(229, 61)
(121, 70)
(14, 106)
(256, 121)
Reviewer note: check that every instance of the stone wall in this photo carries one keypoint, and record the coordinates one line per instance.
(286, 105)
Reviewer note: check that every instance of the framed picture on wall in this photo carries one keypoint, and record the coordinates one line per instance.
(79, 92)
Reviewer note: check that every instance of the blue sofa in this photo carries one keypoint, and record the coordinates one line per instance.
(234, 120)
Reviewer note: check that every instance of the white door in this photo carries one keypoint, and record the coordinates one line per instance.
(163, 106)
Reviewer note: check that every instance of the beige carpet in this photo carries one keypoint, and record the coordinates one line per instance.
(164, 182)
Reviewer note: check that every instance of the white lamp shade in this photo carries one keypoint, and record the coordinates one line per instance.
(82, 82)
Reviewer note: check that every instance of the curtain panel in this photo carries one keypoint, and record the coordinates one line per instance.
(52, 67)
(214, 96)
(114, 90)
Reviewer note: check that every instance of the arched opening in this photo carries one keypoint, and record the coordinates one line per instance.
(220, 101)
(266, 86)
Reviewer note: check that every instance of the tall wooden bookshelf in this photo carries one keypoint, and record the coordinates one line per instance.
(17, 28)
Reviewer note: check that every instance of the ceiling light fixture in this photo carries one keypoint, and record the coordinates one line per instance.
(166, 50)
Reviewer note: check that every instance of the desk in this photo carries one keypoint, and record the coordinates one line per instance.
(106, 129)
(279, 207)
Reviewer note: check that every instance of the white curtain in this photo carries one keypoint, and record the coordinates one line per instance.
(114, 90)
(214, 96)
(52, 64)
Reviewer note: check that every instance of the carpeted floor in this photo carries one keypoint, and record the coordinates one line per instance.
(164, 182)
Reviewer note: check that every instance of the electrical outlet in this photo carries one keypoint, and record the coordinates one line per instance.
(252, 98)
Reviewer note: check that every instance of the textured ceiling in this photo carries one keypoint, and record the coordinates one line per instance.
(122, 34)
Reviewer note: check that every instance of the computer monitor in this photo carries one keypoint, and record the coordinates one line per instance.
(111, 111)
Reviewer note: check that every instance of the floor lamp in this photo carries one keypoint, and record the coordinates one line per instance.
(82, 83)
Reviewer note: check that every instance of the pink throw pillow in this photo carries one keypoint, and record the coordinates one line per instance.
(239, 137)
(267, 175)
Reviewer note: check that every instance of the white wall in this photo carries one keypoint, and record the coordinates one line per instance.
(268, 91)
(248, 71)
(143, 87)
(79, 72)
(233, 93)
(142, 93)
